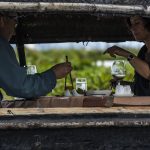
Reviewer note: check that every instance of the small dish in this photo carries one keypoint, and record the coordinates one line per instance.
(123, 95)
(98, 92)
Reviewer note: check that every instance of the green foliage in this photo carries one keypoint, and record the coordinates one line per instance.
(84, 65)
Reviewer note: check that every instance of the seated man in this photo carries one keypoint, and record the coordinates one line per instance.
(13, 78)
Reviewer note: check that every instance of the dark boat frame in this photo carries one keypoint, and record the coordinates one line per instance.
(75, 128)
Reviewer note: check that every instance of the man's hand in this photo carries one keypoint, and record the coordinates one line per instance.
(62, 69)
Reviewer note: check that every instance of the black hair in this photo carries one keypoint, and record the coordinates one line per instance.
(145, 20)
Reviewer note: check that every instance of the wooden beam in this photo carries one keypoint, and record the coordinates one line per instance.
(132, 101)
(20, 45)
(73, 7)
(36, 118)
(74, 111)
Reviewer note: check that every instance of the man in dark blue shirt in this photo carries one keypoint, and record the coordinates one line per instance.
(13, 78)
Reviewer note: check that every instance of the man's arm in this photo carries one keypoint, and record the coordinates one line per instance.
(15, 81)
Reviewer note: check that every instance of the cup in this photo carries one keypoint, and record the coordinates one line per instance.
(81, 83)
(31, 69)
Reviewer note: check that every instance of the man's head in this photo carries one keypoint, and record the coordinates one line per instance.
(8, 23)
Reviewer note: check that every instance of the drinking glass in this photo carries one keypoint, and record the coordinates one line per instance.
(31, 69)
(81, 83)
(118, 70)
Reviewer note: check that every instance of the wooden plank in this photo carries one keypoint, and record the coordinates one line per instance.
(72, 7)
(49, 102)
(71, 111)
(83, 101)
(135, 100)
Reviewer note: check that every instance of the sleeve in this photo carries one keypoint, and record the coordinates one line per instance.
(15, 81)
(142, 52)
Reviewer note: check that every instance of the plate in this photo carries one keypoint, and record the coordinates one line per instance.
(123, 95)
(98, 92)
(97, 95)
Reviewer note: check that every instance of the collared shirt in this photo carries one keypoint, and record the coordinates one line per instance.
(14, 79)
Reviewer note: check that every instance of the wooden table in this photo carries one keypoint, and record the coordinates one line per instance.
(81, 101)
(132, 101)
(50, 102)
